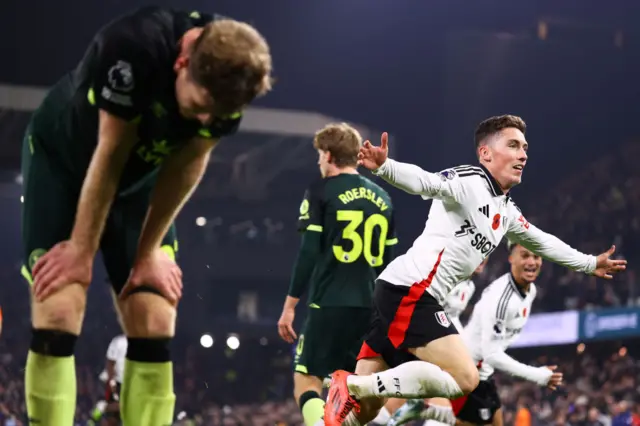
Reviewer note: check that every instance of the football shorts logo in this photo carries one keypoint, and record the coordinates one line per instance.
(121, 77)
(442, 318)
(34, 256)
(304, 210)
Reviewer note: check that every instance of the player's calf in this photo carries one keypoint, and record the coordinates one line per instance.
(370, 407)
(147, 390)
(307, 391)
(56, 322)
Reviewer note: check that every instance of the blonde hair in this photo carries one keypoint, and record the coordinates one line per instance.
(232, 61)
(342, 141)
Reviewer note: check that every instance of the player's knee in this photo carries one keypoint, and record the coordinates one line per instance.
(303, 383)
(148, 315)
(62, 311)
(468, 379)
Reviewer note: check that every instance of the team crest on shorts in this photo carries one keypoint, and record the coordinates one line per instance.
(34, 256)
(485, 413)
(442, 318)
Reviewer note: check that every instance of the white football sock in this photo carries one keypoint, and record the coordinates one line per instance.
(351, 420)
(440, 414)
(414, 379)
(383, 416)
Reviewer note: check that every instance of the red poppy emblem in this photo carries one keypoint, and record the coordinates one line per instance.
(496, 221)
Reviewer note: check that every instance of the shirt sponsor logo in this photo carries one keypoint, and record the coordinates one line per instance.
(483, 245)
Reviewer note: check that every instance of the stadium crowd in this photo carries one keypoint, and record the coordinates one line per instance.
(252, 386)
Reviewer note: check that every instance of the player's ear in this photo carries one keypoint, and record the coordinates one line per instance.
(328, 157)
(182, 62)
(484, 153)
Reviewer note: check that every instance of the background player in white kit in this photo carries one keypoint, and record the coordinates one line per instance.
(496, 322)
(113, 374)
(116, 354)
(411, 350)
(458, 299)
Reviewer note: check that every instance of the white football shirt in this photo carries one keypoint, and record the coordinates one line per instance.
(497, 320)
(117, 352)
(457, 301)
(468, 218)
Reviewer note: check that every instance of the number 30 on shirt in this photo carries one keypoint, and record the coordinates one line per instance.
(361, 242)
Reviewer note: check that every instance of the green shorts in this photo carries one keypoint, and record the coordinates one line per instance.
(331, 339)
(50, 202)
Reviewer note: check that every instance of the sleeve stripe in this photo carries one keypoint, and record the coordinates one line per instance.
(477, 173)
(314, 228)
(391, 242)
(469, 173)
(503, 303)
(467, 169)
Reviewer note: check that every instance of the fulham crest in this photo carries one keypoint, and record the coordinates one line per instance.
(442, 319)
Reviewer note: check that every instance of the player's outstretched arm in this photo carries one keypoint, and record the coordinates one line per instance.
(408, 177)
(554, 249)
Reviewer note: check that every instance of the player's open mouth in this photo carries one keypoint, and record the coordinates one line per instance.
(531, 270)
(518, 167)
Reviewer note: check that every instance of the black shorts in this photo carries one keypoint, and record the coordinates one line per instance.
(49, 210)
(403, 318)
(327, 344)
(479, 406)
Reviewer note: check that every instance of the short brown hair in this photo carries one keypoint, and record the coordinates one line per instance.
(232, 61)
(342, 141)
(493, 125)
